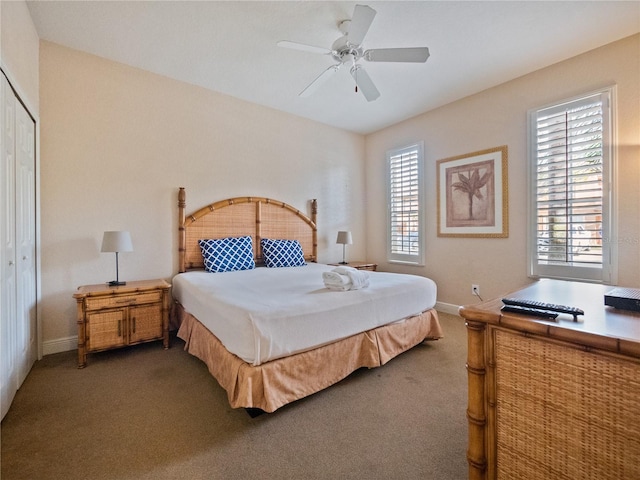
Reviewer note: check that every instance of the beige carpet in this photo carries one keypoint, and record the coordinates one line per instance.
(147, 413)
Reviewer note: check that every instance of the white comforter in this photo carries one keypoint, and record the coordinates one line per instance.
(268, 313)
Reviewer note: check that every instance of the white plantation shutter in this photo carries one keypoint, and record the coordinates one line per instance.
(405, 205)
(571, 165)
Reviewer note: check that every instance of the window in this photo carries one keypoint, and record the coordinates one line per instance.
(405, 204)
(571, 207)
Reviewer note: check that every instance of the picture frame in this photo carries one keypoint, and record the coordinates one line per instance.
(473, 194)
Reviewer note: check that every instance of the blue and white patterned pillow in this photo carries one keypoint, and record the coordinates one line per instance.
(227, 254)
(282, 253)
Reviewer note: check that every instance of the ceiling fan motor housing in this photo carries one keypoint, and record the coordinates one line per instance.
(342, 51)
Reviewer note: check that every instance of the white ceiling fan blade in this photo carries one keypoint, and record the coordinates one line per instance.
(415, 54)
(364, 83)
(303, 47)
(323, 77)
(360, 22)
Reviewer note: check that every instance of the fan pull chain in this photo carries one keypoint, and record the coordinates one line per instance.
(354, 64)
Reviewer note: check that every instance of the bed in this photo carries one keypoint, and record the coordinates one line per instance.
(271, 336)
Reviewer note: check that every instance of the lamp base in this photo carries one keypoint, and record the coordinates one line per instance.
(115, 283)
(344, 263)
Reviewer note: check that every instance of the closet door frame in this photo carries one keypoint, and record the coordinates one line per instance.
(9, 365)
(22, 368)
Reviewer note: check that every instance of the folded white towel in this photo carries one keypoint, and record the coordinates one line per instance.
(335, 281)
(346, 278)
(359, 278)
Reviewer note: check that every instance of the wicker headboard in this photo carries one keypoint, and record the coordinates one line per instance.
(258, 217)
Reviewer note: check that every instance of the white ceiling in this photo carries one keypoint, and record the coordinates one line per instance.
(230, 47)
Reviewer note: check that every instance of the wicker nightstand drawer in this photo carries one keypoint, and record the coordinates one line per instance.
(112, 301)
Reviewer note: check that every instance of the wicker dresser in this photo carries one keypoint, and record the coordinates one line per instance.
(554, 400)
(112, 317)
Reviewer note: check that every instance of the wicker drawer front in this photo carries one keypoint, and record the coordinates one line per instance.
(564, 413)
(114, 301)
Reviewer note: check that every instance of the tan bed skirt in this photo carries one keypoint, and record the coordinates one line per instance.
(273, 384)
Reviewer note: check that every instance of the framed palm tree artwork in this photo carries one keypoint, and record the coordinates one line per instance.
(473, 194)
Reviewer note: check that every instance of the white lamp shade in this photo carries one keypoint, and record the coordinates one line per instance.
(344, 238)
(116, 242)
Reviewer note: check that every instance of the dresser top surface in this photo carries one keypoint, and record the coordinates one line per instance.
(598, 319)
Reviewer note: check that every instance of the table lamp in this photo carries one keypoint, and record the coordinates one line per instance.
(116, 242)
(344, 238)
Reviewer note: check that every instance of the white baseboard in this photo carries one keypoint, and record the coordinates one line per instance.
(448, 308)
(59, 345)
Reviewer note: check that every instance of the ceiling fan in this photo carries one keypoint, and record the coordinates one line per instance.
(347, 50)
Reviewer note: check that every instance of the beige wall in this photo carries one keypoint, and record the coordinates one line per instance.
(19, 46)
(117, 142)
(499, 117)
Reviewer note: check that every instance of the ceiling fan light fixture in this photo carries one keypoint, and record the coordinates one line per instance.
(348, 58)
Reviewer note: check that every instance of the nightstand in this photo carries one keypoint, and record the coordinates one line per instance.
(358, 264)
(118, 316)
